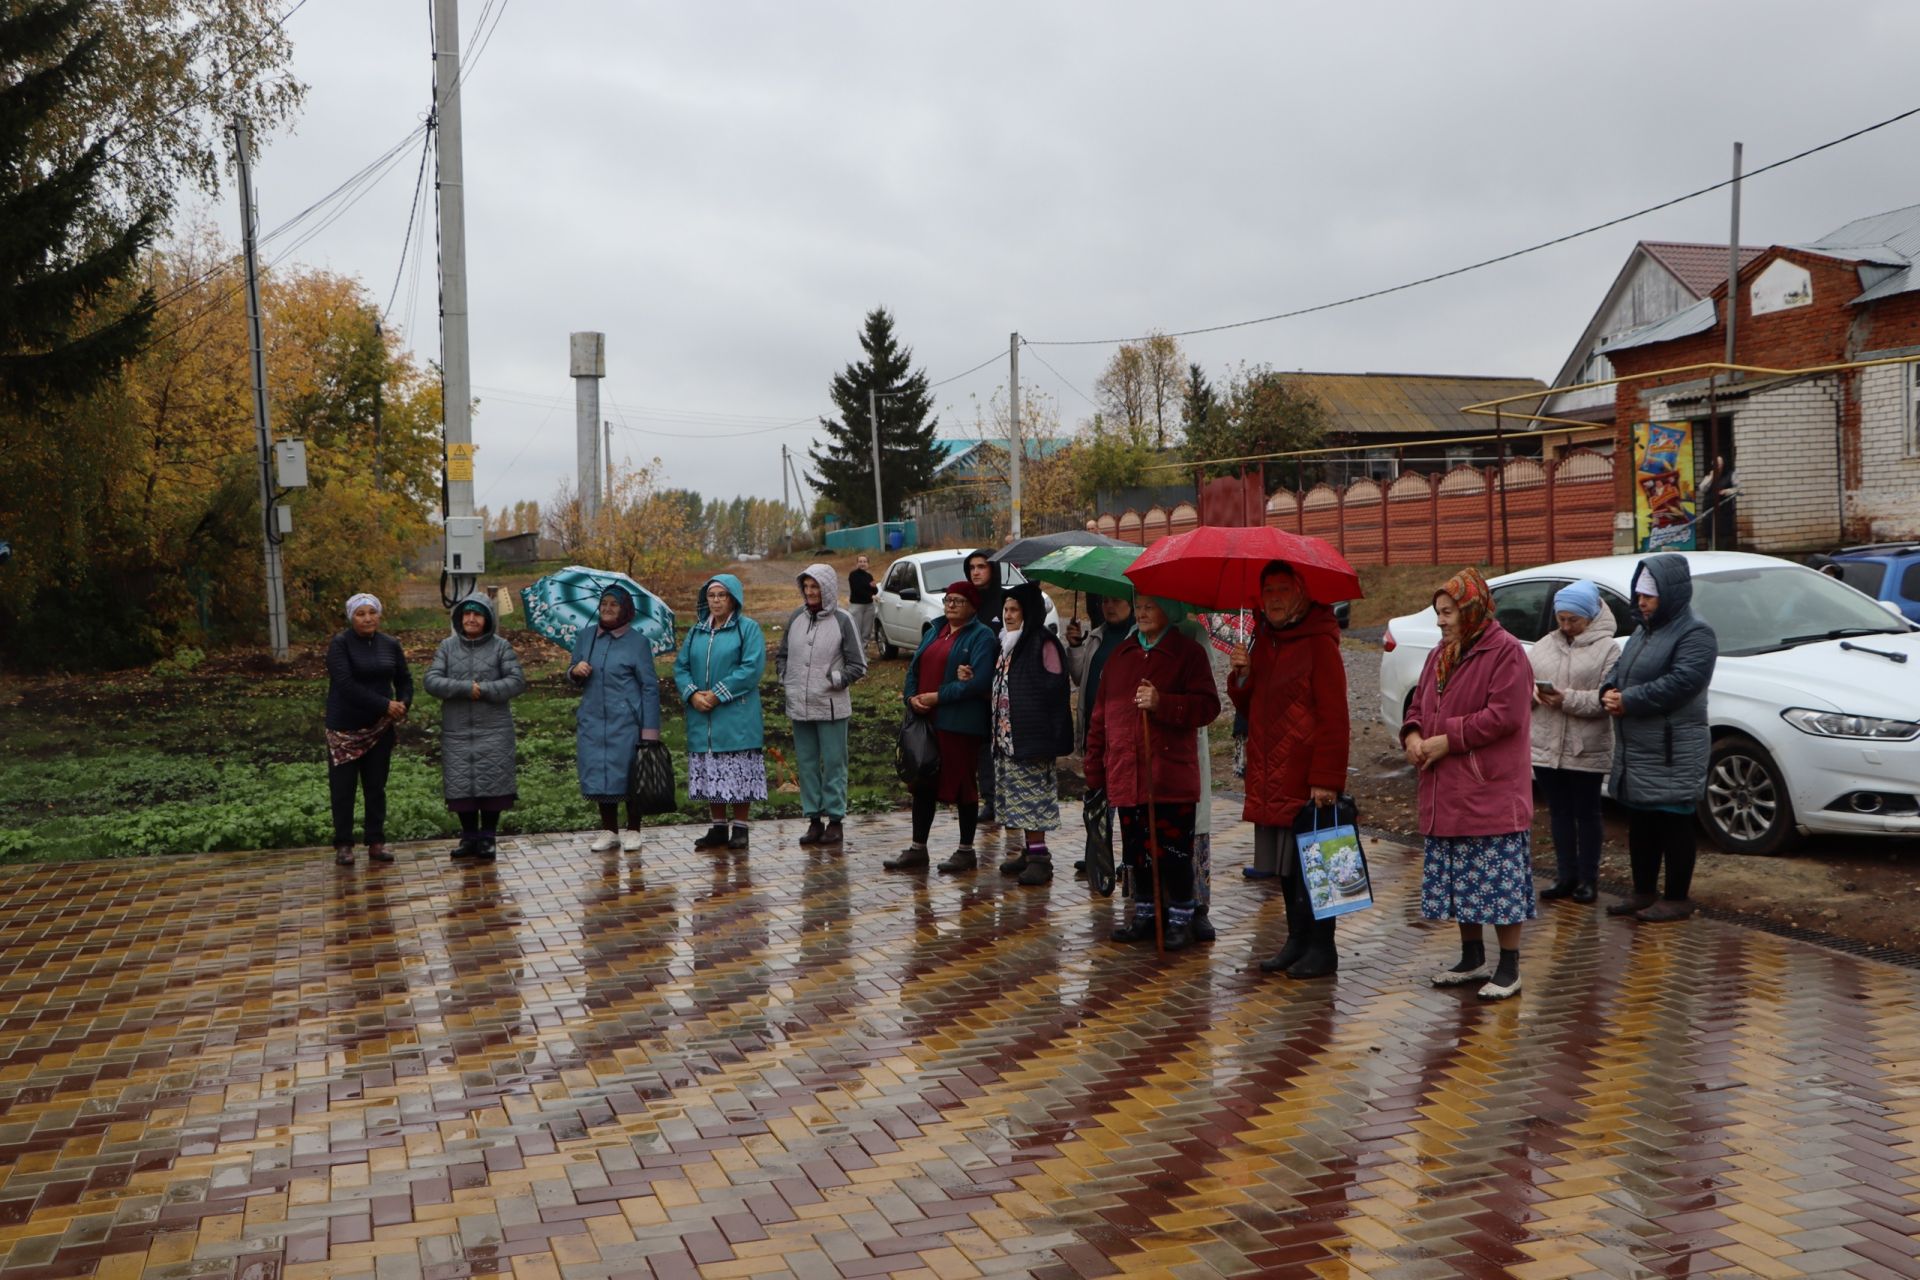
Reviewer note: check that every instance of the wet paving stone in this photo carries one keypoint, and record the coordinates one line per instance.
(576, 1066)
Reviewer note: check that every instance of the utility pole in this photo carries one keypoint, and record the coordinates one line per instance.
(587, 354)
(879, 502)
(466, 541)
(379, 411)
(783, 476)
(262, 429)
(1733, 257)
(607, 440)
(1015, 446)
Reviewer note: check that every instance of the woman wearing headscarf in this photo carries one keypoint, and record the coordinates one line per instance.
(1291, 684)
(1572, 737)
(476, 675)
(983, 571)
(369, 691)
(950, 680)
(619, 709)
(819, 656)
(1466, 734)
(1143, 750)
(1657, 696)
(1032, 716)
(718, 674)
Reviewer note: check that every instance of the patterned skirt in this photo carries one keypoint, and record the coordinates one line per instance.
(726, 777)
(1478, 879)
(1027, 792)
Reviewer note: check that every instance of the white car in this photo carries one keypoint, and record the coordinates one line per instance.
(910, 596)
(1814, 705)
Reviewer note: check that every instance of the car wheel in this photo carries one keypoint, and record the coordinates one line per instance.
(887, 649)
(1747, 808)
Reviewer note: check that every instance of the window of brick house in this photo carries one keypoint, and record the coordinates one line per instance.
(1910, 405)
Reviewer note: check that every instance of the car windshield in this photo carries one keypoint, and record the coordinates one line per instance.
(1755, 610)
(940, 574)
(1863, 575)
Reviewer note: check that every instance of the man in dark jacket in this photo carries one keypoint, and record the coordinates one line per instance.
(861, 590)
(1657, 695)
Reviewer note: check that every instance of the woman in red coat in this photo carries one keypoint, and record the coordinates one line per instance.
(1292, 686)
(1162, 673)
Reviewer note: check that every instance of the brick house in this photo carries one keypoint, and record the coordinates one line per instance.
(1822, 458)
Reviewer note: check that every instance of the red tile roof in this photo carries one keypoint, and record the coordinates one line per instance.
(1702, 268)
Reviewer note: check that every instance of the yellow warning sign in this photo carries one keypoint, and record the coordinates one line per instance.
(460, 468)
(462, 451)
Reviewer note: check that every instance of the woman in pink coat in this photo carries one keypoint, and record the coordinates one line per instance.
(1467, 734)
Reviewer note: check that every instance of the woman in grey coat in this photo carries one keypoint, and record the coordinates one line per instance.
(819, 655)
(476, 676)
(1657, 695)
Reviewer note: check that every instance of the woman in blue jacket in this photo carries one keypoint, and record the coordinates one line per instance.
(718, 674)
(950, 679)
(619, 707)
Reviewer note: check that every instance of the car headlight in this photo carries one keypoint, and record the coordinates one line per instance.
(1838, 724)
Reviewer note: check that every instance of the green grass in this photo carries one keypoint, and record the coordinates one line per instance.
(232, 756)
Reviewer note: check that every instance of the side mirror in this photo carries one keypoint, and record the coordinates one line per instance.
(1343, 613)
(909, 593)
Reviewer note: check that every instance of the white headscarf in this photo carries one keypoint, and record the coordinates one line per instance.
(1644, 585)
(1010, 637)
(359, 598)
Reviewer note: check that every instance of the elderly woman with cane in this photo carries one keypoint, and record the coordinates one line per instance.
(1143, 750)
(369, 691)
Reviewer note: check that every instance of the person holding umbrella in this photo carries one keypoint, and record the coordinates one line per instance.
(718, 674)
(950, 679)
(1291, 684)
(619, 708)
(1468, 735)
(1143, 750)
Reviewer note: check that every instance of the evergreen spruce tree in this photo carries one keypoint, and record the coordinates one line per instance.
(1198, 405)
(843, 466)
(62, 257)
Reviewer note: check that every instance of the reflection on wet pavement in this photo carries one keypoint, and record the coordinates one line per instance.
(580, 1066)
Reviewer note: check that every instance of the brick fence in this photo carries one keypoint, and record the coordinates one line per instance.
(1560, 510)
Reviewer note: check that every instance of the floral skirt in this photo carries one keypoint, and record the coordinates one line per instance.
(1027, 792)
(726, 777)
(1478, 879)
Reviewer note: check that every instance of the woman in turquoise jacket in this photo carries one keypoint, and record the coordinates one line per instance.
(718, 674)
(619, 708)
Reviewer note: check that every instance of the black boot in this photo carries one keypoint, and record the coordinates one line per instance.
(1203, 924)
(961, 859)
(834, 834)
(738, 840)
(1039, 868)
(815, 833)
(1561, 889)
(1179, 928)
(469, 846)
(1015, 865)
(489, 848)
(1139, 928)
(1293, 891)
(1584, 893)
(716, 837)
(912, 858)
(1321, 959)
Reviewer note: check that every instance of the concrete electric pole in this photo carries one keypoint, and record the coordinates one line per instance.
(466, 540)
(1014, 445)
(879, 503)
(263, 430)
(588, 365)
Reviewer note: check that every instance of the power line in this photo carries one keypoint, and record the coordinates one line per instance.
(996, 356)
(719, 418)
(413, 213)
(1486, 262)
(1063, 377)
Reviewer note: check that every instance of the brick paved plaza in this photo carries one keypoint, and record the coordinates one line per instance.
(570, 1066)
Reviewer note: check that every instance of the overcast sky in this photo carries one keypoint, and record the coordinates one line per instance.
(726, 189)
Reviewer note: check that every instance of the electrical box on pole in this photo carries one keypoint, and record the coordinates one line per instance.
(466, 544)
(290, 463)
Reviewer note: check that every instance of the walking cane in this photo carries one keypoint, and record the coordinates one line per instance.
(1153, 842)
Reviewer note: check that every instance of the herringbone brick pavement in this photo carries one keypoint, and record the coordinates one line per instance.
(570, 1066)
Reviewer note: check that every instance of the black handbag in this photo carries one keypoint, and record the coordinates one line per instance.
(651, 788)
(1097, 817)
(916, 756)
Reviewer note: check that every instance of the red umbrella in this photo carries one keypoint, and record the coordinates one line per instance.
(1219, 568)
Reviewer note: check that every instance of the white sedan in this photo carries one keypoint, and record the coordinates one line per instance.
(910, 594)
(1814, 705)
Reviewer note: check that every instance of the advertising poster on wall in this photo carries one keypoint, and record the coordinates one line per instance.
(1663, 486)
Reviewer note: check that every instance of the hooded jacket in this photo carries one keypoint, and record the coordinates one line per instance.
(1295, 699)
(729, 660)
(619, 705)
(819, 654)
(1577, 734)
(476, 735)
(1661, 742)
(993, 595)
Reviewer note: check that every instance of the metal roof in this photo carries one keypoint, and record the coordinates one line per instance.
(1700, 268)
(1698, 318)
(1409, 403)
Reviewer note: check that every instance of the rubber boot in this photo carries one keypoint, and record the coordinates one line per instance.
(1322, 959)
(1299, 924)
